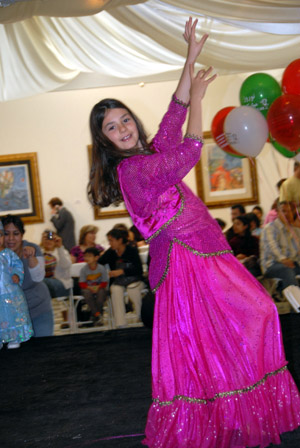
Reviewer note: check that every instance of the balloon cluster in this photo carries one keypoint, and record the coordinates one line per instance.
(267, 110)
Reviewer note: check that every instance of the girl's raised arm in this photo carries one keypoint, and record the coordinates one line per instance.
(194, 50)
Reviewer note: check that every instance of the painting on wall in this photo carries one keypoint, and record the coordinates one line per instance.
(20, 187)
(224, 180)
(112, 211)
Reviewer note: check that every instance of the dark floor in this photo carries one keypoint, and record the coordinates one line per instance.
(91, 390)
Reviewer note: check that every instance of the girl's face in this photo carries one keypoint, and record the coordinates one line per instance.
(238, 227)
(120, 128)
(13, 238)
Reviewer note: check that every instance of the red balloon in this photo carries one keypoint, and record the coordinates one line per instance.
(284, 121)
(217, 130)
(291, 78)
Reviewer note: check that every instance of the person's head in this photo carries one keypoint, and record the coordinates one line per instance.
(237, 210)
(285, 213)
(280, 182)
(135, 234)
(55, 203)
(1, 236)
(121, 226)
(13, 232)
(91, 255)
(116, 133)
(48, 242)
(221, 223)
(297, 169)
(87, 235)
(241, 226)
(254, 221)
(258, 211)
(117, 238)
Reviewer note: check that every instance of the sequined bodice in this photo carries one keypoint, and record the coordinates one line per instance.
(161, 206)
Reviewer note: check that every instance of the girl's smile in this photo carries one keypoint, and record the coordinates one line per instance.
(120, 128)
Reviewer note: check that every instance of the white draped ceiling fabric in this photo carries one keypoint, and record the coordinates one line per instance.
(45, 44)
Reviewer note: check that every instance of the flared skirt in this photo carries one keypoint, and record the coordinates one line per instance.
(219, 373)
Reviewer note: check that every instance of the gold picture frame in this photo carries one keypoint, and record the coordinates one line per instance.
(109, 212)
(20, 192)
(224, 180)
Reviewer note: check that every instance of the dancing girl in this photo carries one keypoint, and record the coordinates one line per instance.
(219, 373)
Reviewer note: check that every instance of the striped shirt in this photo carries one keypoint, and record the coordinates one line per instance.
(277, 242)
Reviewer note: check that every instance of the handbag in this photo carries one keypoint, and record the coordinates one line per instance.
(125, 280)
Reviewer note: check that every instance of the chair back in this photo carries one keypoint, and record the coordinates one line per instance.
(76, 268)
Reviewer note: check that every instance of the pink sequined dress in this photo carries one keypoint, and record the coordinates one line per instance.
(219, 373)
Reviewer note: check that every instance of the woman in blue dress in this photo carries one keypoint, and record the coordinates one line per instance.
(15, 323)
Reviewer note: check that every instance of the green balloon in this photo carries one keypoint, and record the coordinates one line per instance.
(259, 91)
(283, 151)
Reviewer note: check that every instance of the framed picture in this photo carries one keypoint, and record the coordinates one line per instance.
(224, 180)
(108, 212)
(20, 192)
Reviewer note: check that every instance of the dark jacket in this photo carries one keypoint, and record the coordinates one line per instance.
(129, 261)
(63, 221)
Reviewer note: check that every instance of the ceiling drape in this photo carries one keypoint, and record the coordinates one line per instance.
(41, 49)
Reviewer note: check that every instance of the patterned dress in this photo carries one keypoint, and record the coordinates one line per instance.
(219, 373)
(15, 323)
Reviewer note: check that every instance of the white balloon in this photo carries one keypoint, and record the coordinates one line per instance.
(246, 130)
(297, 157)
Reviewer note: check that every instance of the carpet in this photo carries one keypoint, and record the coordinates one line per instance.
(92, 390)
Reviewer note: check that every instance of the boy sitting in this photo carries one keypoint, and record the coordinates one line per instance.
(93, 281)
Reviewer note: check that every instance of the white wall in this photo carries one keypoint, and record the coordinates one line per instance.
(55, 125)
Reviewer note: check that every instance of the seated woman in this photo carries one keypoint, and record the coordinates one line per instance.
(245, 246)
(87, 238)
(126, 272)
(57, 264)
(36, 292)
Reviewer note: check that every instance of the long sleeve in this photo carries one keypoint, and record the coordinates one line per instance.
(60, 220)
(64, 260)
(131, 255)
(170, 129)
(144, 178)
(109, 257)
(38, 272)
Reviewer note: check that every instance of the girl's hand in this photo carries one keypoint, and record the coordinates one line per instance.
(200, 82)
(15, 278)
(28, 252)
(194, 47)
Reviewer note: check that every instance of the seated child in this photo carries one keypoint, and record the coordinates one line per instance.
(93, 281)
(15, 323)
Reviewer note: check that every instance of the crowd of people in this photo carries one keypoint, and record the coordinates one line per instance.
(34, 274)
(269, 246)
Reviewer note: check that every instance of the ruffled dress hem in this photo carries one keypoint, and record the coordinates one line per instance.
(251, 418)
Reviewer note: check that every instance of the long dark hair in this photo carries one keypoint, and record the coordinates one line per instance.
(103, 186)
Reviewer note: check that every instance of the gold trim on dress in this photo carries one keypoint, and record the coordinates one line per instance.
(221, 394)
(194, 251)
(166, 224)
